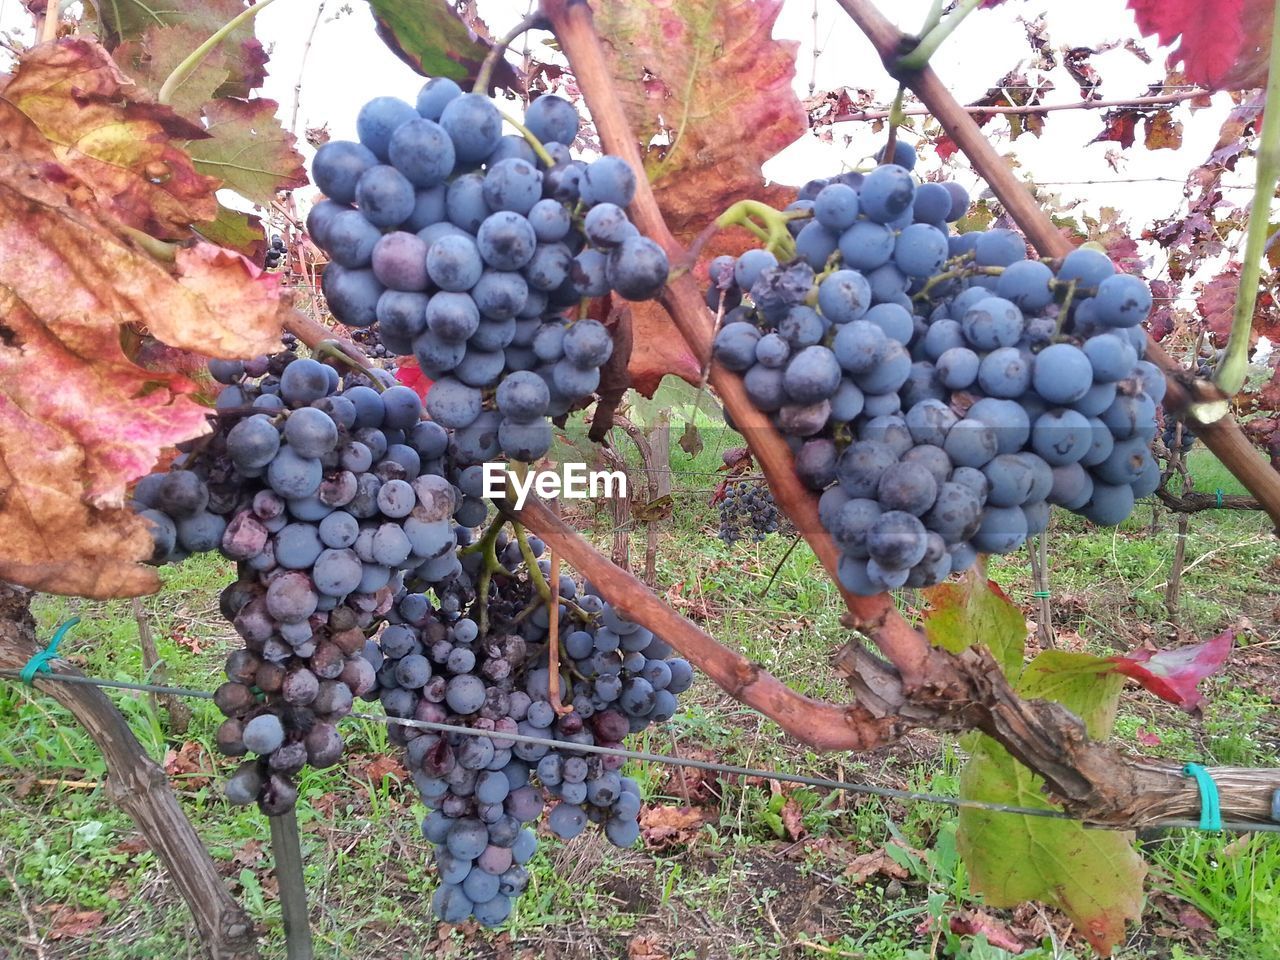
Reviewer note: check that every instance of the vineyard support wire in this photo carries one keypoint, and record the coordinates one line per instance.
(884, 793)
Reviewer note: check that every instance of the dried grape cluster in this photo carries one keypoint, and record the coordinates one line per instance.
(942, 390)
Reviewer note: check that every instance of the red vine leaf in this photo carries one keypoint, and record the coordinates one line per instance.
(1216, 302)
(120, 147)
(248, 149)
(945, 147)
(706, 79)
(1119, 125)
(1173, 675)
(1224, 45)
(432, 38)
(410, 375)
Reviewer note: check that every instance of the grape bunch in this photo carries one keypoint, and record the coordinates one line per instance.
(473, 252)
(747, 511)
(327, 495)
(275, 253)
(367, 340)
(942, 390)
(491, 673)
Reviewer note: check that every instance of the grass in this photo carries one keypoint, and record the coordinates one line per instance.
(741, 885)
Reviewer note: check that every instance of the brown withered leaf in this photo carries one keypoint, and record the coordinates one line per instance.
(68, 923)
(690, 439)
(668, 826)
(120, 147)
(646, 948)
(793, 819)
(653, 510)
(248, 150)
(998, 934)
(658, 349)
(1162, 131)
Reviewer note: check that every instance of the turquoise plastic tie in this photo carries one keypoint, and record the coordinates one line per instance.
(1210, 812)
(39, 662)
(1218, 494)
(1042, 595)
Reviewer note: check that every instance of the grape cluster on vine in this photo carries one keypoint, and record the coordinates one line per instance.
(474, 252)
(941, 389)
(747, 512)
(275, 253)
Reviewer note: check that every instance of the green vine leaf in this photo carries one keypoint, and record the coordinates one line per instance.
(248, 149)
(431, 38)
(976, 610)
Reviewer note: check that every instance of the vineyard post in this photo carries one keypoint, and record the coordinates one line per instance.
(286, 849)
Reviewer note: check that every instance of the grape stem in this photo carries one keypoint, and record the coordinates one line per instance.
(196, 57)
(534, 21)
(919, 56)
(1233, 368)
(964, 270)
(533, 141)
(772, 229)
(486, 545)
(160, 249)
(1065, 310)
(895, 120)
(337, 350)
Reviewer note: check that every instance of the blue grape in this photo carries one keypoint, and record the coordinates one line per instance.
(887, 193)
(473, 124)
(351, 239)
(506, 240)
(385, 197)
(1028, 284)
(1006, 372)
(836, 207)
(921, 250)
(379, 119)
(932, 203)
(1088, 267)
(999, 248)
(1063, 373)
(608, 179)
(637, 269)
(844, 296)
(337, 166)
(435, 95)
(866, 245)
(422, 151)
(399, 262)
(512, 184)
(464, 203)
(452, 404)
(552, 118)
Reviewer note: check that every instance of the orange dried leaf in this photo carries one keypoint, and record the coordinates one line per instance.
(119, 147)
(1162, 131)
(239, 311)
(667, 826)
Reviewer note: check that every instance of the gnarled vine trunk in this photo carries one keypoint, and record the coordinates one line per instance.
(138, 785)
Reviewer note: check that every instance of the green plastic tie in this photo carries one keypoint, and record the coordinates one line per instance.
(1210, 812)
(1218, 494)
(1041, 595)
(39, 662)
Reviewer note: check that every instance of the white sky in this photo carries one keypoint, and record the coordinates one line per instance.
(348, 64)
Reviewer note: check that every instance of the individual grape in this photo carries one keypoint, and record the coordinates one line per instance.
(1002, 530)
(908, 487)
(893, 319)
(896, 540)
(866, 245)
(1108, 504)
(252, 443)
(385, 196)
(971, 443)
(750, 265)
(464, 206)
(525, 442)
(1007, 372)
(992, 323)
(815, 244)
(836, 207)
(637, 269)
(858, 346)
(422, 151)
(904, 154)
(957, 368)
(293, 476)
(552, 119)
(608, 179)
(399, 262)
(454, 263)
(309, 432)
(453, 404)
(263, 734)
(844, 296)
(1027, 284)
(932, 203)
(352, 295)
(812, 375)
(506, 240)
(587, 343)
(1122, 300)
(512, 184)
(1063, 373)
(435, 95)
(473, 124)
(1008, 418)
(890, 372)
(921, 250)
(336, 168)
(999, 248)
(1111, 357)
(887, 192)
(1061, 437)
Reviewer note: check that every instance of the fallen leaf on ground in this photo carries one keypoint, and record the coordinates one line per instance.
(668, 826)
